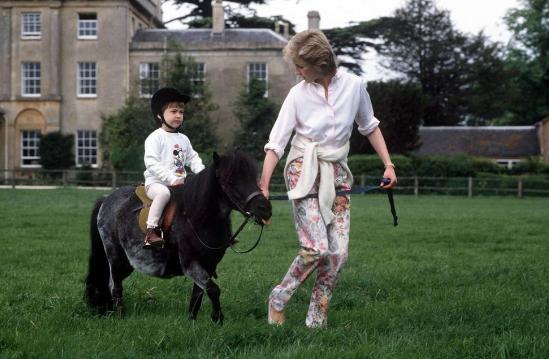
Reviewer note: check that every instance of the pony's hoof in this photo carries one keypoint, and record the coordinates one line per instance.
(118, 306)
(217, 318)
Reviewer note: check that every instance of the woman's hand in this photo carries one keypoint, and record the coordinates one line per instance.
(265, 191)
(391, 175)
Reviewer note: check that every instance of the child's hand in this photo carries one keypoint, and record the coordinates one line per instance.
(178, 182)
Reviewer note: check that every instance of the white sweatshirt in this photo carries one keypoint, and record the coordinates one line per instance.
(166, 155)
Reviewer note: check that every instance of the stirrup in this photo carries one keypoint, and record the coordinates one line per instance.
(156, 244)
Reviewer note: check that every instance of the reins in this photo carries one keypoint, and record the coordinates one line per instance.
(232, 239)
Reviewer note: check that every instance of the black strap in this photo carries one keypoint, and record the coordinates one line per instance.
(392, 204)
(354, 190)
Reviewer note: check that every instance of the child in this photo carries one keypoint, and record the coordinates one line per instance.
(166, 153)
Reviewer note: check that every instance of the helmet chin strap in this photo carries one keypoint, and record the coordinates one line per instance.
(173, 129)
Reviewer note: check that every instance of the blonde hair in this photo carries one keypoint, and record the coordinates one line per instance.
(313, 48)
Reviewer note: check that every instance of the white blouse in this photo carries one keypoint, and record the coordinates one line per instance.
(328, 122)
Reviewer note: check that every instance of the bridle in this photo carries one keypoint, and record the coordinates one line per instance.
(242, 209)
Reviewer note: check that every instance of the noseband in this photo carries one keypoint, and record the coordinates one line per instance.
(239, 207)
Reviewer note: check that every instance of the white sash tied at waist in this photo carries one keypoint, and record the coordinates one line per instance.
(315, 158)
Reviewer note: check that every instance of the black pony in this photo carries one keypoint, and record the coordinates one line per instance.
(196, 243)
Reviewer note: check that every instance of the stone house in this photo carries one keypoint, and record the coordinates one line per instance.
(64, 64)
(507, 145)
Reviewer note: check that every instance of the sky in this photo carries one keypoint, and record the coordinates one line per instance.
(470, 16)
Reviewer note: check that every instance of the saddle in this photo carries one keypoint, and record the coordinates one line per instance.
(167, 216)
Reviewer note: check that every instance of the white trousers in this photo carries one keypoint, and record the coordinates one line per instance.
(160, 195)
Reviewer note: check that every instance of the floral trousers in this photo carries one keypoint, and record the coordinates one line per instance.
(324, 248)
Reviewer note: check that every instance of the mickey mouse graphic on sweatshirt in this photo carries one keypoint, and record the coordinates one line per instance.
(166, 155)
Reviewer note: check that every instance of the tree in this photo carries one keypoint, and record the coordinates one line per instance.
(425, 48)
(56, 151)
(124, 134)
(180, 72)
(398, 105)
(257, 115)
(201, 11)
(529, 60)
(487, 85)
(458, 75)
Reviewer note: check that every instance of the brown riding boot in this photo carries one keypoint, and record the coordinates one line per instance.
(154, 238)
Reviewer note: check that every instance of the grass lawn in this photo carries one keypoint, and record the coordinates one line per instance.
(459, 277)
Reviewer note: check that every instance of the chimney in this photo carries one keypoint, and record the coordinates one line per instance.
(314, 20)
(218, 17)
(286, 29)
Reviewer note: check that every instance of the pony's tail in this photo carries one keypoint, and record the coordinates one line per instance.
(97, 294)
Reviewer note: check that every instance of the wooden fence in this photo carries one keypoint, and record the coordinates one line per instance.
(464, 186)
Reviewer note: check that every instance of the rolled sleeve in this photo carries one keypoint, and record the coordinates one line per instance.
(283, 127)
(279, 151)
(365, 117)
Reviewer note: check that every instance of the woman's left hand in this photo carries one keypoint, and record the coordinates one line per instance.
(391, 175)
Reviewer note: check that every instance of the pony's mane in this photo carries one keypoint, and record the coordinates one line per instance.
(199, 192)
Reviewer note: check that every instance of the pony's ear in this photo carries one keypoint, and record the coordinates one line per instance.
(216, 159)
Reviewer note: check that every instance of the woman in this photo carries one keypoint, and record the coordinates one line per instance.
(321, 110)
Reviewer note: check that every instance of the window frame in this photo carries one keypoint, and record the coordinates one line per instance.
(26, 82)
(34, 147)
(31, 35)
(90, 144)
(250, 71)
(145, 68)
(198, 78)
(80, 79)
(80, 28)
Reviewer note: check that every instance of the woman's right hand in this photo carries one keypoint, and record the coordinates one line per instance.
(265, 191)
(268, 167)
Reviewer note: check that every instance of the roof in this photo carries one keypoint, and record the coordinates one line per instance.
(489, 141)
(206, 39)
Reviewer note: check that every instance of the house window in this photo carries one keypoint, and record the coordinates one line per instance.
(86, 147)
(197, 78)
(87, 26)
(149, 79)
(508, 163)
(87, 79)
(259, 71)
(30, 79)
(30, 141)
(31, 25)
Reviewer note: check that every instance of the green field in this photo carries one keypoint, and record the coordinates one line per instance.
(459, 278)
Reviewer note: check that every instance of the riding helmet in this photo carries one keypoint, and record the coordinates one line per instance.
(165, 96)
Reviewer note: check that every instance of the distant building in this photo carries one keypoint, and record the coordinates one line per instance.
(505, 144)
(543, 138)
(64, 64)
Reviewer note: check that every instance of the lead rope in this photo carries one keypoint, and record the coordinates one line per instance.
(355, 190)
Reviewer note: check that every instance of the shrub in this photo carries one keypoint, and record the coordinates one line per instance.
(444, 166)
(371, 165)
(56, 151)
(531, 165)
(486, 165)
